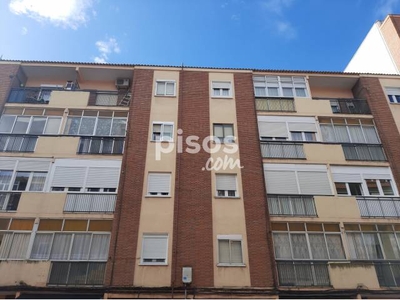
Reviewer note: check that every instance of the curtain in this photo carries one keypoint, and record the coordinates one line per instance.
(356, 246)
(87, 126)
(5, 178)
(342, 136)
(236, 252)
(38, 180)
(41, 246)
(61, 245)
(373, 246)
(282, 245)
(118, 127)
(80, 246)
(19, 246)
(99, 248)
(318, 246)
(328, 135)
(370, 134)
(6, 241)
(390, 246)
(356, 134)
(103, 126)
(299, 245)
(335, 247)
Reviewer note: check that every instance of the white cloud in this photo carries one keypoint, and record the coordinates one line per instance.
(225, 4)
(276, 6)
(386, 7)
(235, 17)
(106, 47)
(286, 29)
(24, 30)
(64, 13)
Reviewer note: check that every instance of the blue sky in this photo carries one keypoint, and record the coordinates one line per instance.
(273, 34)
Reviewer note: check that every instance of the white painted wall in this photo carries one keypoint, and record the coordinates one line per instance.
(373, 56)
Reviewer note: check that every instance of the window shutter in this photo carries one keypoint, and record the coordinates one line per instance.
(281, 182)
(7, 164)
(344, 177)
(226, 182)
(159, 183)
(33, 165)
(160, 88)
(103, 177)
(69, 176)
(302, 127)
(221, 84)
(236, 252)
(170, 88)
(314, 183)
(272, 129)
(393, 91)
(155, 247)
(223, 250)
(377, 176)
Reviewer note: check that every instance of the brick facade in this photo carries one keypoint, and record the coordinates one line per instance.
(8, 79)
(193, 235)
(122, 257)
(259, 239)
(371, 89)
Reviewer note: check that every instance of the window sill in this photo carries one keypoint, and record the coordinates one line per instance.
(221, 97)
(231, 265)
(227, 197)
(157, 196)
(164, 142)
(165, 96)
(153, 264)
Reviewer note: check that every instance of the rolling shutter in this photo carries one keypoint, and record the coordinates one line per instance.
(103, 177)
(344, 177)
(7, 164)
(281, 182)
(308, 127)
(33, 165)
(314, 183)
(221, 84)
(154, 247)
(272, 129)
(159, 182)
(69, 176)
(226, 182)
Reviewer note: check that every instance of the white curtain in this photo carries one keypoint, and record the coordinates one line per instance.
(342, 136)
(38, 180)
(356, 134)
(373, 246)
(356, 246)
(80, 246)
(299, 245)
(19, 246)
(61, 245)
(6, 241)
(41, 246)
(328, 135)
(318, 246)
(282, 245)
(371, 135)
(335, 247)
(99, 248)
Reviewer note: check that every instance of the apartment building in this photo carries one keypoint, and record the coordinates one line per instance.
(122, 181)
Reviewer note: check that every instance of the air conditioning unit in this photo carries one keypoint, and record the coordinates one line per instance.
(122, 82)
(70, 86)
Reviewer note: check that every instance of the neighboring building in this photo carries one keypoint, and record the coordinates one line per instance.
(311, 210)
(379, 52)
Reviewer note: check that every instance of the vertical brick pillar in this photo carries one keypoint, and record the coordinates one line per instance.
(193, 235)
(259, 240)
(8, 73)
(371, 89)
(122, 260)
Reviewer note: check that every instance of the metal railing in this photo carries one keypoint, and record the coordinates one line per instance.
(9, 201)
(277, 149)
(90, 202)
(77, 273)
(275, 104)
(17, 143)
(368, 152)
(107, 99)
(379, 207)
(101, 145)
(388, 273)
(293, 273)
(349, 106)
(291, 205)
(33, 95)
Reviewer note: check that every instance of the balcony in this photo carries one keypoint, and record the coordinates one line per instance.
(277, 149)
(291, 205)
(101, 145)
(275, 104)
(31, 95)
(379, 207)
(9, 201)
(77, 273)
(367, 152)
(90, 202)
(296, 273)
(348, 106)
(17, 143)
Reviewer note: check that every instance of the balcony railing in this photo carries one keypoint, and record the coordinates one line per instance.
(90, 202)
(349, 106)
(33, 95)
(366, 152)
(107, 99)
(379, 207)
(17, 143)
(275, 104)
(291, 205)
(77, 273)
(101, 145)
(277, 149)
(293, 273)
(9, 201)
(388, 273)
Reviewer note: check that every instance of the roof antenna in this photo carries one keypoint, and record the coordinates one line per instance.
(182, 65)
(1, 57)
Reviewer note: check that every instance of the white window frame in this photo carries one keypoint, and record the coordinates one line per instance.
(159, 194)
(391, 93)
(347, 184)
(230, 238)
(280, 86)
(165, 82)
(225, 139)
(213, 89)
(154, 236)
(163, 138)
(29, 183)
(226, 192)
(31, 122)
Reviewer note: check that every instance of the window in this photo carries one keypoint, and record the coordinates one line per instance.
(371, 242)
(29, 181)
(159, 184)
(393, 94)
(303, 136)
(30, 124)
(77, 273)
(226, 185)
(221, 89)
(5, 179)
(350, 189)
(310, 241)
(280, 86)
(295, 179)
(154, 249)
(96, 123)
(349, 131)
(165, 88)
(223, 133)
(230, 250)
(291, 205)
(163, 132)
